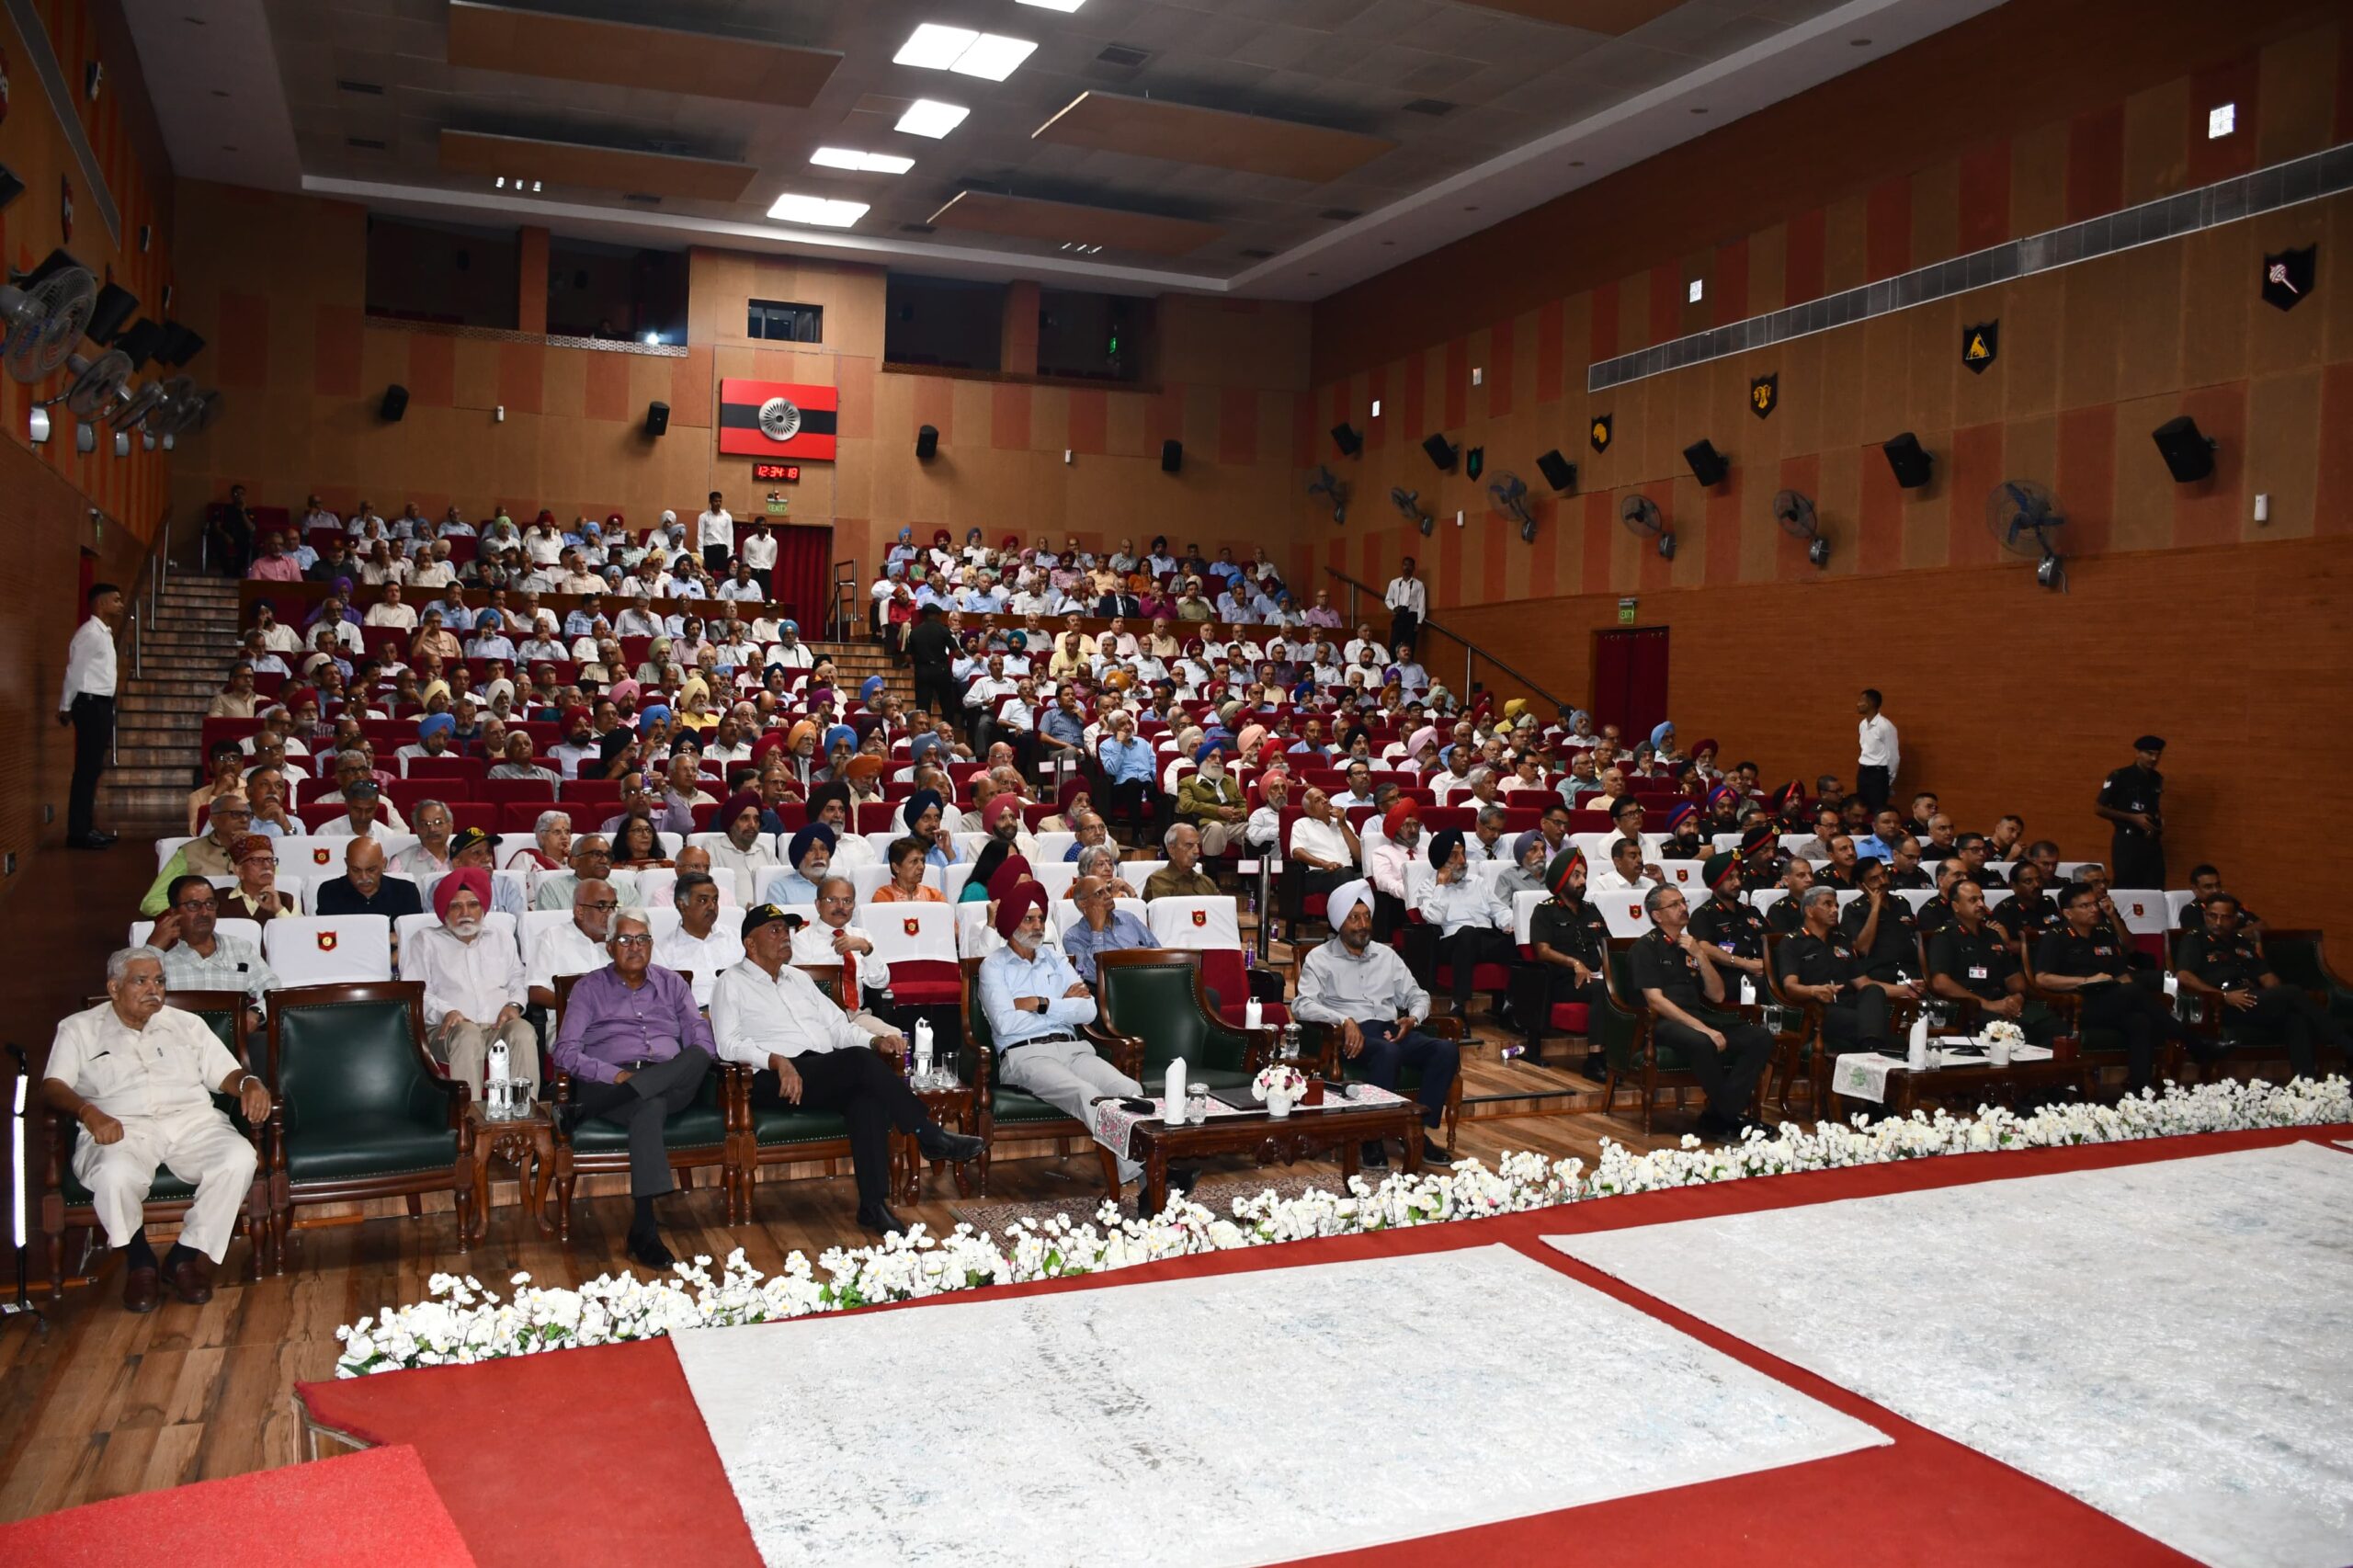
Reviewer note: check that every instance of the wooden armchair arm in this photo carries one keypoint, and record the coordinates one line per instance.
(1261, 1046)
(1122, 1050)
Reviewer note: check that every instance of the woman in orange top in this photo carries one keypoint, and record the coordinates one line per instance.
(906, 884)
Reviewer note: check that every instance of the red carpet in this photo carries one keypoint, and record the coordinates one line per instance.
(375, 1509)
(622, 1414)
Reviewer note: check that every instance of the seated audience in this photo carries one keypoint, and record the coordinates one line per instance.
(1182, 877)
(1102, 928)
(1363, 990)
(2225, 966)
(1678, 978)
(2083, 954)
(475, 992)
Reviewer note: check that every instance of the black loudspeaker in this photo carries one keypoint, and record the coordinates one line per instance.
(1172, 456)
(1558, 471)
(179, 345)
(11, 187)
(395, 402)
(1345, 437)
(1708, 465)
(1442, 452)
(927, 443)
(139, 342)
(1908, 461)
(2190, 456)
(657, 419)
(113, 312)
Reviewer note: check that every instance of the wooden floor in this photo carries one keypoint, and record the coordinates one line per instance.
(106, 1403)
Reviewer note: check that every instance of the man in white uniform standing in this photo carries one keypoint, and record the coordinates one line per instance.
(715, 532)
(1877, 756)
(87, 704)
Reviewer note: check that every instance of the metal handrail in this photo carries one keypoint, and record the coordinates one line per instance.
(841, 617)
(1470, 651)
(147, 587)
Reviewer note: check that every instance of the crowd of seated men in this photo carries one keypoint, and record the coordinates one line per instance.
(692, 789)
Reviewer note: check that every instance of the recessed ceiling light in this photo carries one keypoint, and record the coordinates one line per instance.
(817, 210)
(1063, 5)
(860, 162)
(930, 117)
(935, 47)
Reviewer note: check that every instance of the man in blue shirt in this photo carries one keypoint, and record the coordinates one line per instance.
(582, 622)
(1887, 832)
(1036, 1005)
(1104, 927)
(1129, 773)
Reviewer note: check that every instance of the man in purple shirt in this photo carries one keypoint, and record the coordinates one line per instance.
(637, 1049)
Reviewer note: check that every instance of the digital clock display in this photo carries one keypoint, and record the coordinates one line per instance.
(788, 474)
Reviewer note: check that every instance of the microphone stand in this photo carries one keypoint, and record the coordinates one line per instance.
(22, 1306)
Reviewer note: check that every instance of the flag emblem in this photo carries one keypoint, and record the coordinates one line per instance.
(777, 420)
(326, 941)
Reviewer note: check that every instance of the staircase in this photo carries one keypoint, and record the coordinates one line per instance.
(159, 715)
(854, 662)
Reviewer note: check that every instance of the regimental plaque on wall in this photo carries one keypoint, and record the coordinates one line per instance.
(2289, 276)
(1981, 345)
(1764, 395)
(778, 420)
(1599, 433)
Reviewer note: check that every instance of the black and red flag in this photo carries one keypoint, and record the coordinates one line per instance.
(777, 420)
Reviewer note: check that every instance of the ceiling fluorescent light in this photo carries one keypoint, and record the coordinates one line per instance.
(928, 117)
(994, 58)
(1063, 5)
(861, 162)
(933, 47)
(817, 210)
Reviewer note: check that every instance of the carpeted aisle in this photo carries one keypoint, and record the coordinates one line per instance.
(621, 1417)
(376, 1509)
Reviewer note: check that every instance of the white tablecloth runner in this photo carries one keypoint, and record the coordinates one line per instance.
(1115, 1125)
(1862, 1074)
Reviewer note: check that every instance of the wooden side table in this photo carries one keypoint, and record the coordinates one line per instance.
(953, 1109)
(528, 1144)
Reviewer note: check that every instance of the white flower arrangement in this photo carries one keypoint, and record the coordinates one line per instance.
(464, 1322)
(2001, 1031)
(1279, 1078)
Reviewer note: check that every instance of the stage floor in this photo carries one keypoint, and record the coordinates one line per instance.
(628, 1417)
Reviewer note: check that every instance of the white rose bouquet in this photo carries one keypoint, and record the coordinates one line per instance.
(2001, 1031)
(1279, 1078)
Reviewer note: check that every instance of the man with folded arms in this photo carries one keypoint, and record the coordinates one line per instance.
(1820, 964)
(2226, 964)
(1362, 989)
(473, 984)
(1037, 1007)
(1676, 975)
(637, 1048)
(805, 1051)
(140, 1078)
(215, 855)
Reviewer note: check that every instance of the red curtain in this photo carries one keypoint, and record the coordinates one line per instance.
(1630, 681)
(804, 566)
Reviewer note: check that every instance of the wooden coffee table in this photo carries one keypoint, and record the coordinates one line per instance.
(528, 1144)
(1336, 1125)
(952, 1109)
(1971, 1086)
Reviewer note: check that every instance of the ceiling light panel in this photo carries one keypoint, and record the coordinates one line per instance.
(937, 47)
(817, 212)
(928, 117)
(860, 162)
(1063, 5)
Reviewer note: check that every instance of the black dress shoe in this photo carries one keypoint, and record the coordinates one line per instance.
(103, 836)
(1597, 1065)
(1711, 1125)
(1182, 1179)
(90, 841)
(938, 1143)
(647, 1250)
(1436, 1153)
(1373, 1157)
(877, 1218)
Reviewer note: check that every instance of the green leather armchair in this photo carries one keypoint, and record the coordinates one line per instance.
(1152, 999)
(1002, 1113)
(706, 1134)
(363, 1111)
(67, 1204)
(777, 1134)
(1631, 1047)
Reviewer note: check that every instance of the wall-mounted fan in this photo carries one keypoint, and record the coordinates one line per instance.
(1794, 511)
(45, 310)
(1508, 495)
(97, 384)
(1333, 489)
(1409, 505)
(2025, 520)
(1641, 516)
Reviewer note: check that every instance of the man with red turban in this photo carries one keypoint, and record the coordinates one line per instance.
(474, 983)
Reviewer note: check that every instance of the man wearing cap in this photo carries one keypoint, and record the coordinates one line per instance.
(473, 847)
(1729, 924)
(1819, 964)
(215, 855)
(1474, 926)
(255, 896)
(1363, 991)
(1570, 941)
(197, 957)
(809, 856)
(637, 1049)
(140, 1078)
(473, 981)
(1760, 856)
(804, 1051)
(2132, 801)
(1678, 977)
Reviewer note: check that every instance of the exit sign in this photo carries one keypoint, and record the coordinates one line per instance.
(784, 473)
(1625, 612)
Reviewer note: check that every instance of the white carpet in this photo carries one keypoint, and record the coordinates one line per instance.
(1246, 1418)
(2170, 1342)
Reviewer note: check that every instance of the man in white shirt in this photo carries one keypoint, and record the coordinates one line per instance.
(1474, 926)
(1878, 757)
(701, 946)
(769, 1016)
(789, 650)
(715, 532)
(1408, 600)
(1626, 871)
(831, 941)
(140, 1078)
(758, 552)
(1362, 644)
(577, 945)
(473, 984)
(87, 704)
(746, 853)
(390, 611)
